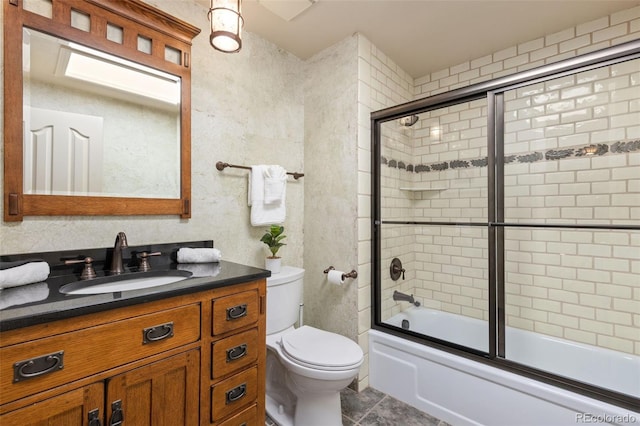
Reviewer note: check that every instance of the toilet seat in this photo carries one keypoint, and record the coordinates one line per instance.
(319, 349)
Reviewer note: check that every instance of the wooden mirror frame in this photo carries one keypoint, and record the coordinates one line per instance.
(136, 19)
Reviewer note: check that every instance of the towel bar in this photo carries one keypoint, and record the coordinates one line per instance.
(221, 166)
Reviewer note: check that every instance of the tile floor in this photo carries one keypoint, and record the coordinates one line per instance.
(374, 408)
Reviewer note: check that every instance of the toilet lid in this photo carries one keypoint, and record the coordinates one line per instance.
(322, 348)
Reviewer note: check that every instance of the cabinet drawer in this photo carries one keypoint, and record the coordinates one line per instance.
(248, 417)
(41, 364)
(234, 393)
(235, 311)
(233, 353)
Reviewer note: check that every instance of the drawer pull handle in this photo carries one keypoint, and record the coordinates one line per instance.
(236, 353)
(236, 312)
(117, 414)
(38, 366)
(236, 393)
(94, 418)
(157, 332)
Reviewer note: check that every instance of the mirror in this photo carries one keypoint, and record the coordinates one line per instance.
(97, 109)
(96, 124)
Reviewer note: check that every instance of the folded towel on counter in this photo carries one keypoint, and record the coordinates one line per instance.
(275, 184)
(13, 274)
(28, 293)
(201, 269)
(198, 255)
(264, 213)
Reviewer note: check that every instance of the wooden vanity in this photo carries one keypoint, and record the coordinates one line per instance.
(191, 355)
(204, 364)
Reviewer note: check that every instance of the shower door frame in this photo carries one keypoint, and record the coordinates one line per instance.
(493, 92)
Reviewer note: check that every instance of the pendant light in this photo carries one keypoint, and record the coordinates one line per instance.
(226, 25)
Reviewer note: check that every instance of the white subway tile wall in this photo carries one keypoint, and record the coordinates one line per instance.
(581, 285)
(535, 185)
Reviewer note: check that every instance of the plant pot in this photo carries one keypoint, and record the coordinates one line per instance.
(273, 264)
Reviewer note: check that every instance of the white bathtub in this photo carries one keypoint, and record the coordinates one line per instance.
(463, 392)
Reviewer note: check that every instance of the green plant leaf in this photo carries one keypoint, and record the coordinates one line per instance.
(273, 238)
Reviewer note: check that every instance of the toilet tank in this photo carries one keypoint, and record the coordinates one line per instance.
(284, 295)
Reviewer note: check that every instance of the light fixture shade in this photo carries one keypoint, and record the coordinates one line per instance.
(226, 25)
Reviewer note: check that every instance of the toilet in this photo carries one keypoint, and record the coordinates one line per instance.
(306, 367)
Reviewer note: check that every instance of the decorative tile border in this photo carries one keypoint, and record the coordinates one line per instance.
(620, 147)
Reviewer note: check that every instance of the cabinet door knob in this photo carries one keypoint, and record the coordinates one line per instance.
(117, 415)
(94, 418)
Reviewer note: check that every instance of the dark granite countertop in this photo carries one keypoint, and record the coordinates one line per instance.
(19, 307)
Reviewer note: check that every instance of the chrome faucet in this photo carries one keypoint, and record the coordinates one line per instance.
(405, 298)
(116, 258)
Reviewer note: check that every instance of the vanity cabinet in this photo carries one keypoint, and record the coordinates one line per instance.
(70, 409)
(196, 359)
(170, 383)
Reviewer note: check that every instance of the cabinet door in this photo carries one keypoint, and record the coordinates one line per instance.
(73, 408)
(165, 393)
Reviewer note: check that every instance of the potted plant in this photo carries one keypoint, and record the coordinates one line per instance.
(273, 239)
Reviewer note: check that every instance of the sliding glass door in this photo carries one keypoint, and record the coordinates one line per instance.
(506, 222)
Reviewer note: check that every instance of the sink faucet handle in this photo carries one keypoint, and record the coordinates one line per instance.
(144, 260)
(88, 272)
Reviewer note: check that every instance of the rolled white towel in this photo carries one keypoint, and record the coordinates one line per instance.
(23, 273)
(200, 269)
(24, 294)
(199, 255)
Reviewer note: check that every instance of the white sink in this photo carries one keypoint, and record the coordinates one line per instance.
(126, 282)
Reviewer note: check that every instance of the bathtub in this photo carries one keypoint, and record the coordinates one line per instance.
(464, 392)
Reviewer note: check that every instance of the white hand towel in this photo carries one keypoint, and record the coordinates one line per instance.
(201, 269)
(198, 255)
(27, 273)
(275, 184)
(262, 213)
(24, 294)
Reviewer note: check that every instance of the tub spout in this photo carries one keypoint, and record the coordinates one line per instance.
(397, 296)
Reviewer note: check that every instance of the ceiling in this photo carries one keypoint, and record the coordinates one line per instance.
(421, 36)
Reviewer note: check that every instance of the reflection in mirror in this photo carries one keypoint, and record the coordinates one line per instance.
(96, 124)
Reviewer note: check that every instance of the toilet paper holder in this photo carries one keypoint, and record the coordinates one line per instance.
(352, 274)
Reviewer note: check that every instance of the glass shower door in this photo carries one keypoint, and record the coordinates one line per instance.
(572, 234)
(434, 220)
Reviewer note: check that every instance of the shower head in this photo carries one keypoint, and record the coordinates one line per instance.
(408, 121)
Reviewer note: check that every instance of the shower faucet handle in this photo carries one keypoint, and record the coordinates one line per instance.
(396, 269)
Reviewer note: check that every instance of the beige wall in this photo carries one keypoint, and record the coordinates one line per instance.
(247, 108)
(330, 234)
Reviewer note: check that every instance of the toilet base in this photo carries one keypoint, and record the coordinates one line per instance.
(321, 409)
(281, 415)
(290, 401)
(318, 410)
